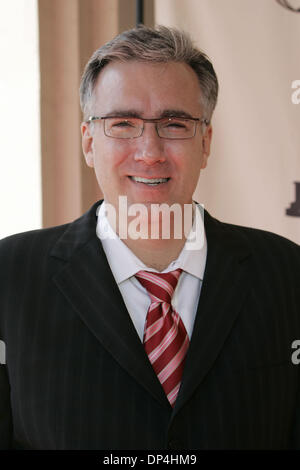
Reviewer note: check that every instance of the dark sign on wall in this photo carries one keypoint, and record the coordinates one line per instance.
(294, 208)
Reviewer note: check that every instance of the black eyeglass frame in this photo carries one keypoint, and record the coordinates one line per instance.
(155, 121)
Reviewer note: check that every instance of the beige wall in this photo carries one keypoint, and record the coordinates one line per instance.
(254, 45)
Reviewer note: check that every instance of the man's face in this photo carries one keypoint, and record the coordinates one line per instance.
(148, 91)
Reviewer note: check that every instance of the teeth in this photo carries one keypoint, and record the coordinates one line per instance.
(151, 181)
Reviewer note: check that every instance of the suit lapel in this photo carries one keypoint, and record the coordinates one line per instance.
(224, 289)
(88, 284)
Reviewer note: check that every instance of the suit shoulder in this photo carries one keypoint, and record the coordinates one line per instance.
(264, 241)
(263, 235)
(25, 242)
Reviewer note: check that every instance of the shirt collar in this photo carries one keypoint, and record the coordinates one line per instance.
(124, 264)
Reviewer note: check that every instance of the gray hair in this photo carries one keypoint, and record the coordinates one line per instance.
(160, 45)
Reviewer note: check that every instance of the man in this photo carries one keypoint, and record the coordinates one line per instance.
(128, 342)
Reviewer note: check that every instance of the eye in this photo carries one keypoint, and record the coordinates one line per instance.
(123, 123)
(175, 124)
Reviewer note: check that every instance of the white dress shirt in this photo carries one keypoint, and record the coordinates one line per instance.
(124, 265)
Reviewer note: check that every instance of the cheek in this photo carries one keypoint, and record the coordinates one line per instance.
(186, 158)
(109, 156)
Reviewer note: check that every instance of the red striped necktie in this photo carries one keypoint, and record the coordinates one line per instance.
(165, 338)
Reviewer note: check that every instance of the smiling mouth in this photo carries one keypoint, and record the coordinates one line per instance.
(149, 181)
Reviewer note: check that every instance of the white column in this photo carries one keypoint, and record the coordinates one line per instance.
(20, 175)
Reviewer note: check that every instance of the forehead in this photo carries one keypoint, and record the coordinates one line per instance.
(148, 88)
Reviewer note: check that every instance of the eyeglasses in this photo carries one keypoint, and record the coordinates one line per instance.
(166, 128)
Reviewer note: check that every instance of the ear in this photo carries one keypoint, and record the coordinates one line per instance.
(87, 143)
(206, 141)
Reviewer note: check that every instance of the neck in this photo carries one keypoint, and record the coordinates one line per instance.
(156, 238)
(156, 255)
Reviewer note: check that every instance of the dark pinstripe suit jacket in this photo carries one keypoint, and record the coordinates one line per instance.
(76, 374)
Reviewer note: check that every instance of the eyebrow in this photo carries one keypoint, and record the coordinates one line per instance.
(135, 114)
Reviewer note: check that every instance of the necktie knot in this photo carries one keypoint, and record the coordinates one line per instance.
(160, 286)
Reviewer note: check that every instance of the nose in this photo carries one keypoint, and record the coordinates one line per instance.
(149, 147)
